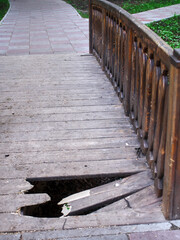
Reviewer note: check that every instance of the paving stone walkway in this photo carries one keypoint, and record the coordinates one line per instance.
(43, 26)
(50, 27)
(158, 14)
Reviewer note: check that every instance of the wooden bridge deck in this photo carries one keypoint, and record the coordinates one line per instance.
(61, 119)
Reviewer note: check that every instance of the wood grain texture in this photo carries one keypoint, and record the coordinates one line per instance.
(108, 193)
(141, 82)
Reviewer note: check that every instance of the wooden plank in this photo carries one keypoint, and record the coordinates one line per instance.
(33, 146)
(70, 170)
(99, 196)
(61, 110)
(144, 198)
(141, 199)
(11, 222)
(54, 96)
(65, 134)
(117, 218)
(12, 202)
(14, 186)
(56, 103)
(60, 117)
(83, 155)
(68, 125)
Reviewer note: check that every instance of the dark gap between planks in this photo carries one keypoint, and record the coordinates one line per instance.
(59, 189)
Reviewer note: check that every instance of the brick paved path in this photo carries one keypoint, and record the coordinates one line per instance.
(158, 14)
(43, 26)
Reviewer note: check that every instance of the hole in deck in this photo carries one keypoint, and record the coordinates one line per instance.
(57, 190)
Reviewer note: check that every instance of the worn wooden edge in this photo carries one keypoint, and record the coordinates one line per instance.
(159, 45)
(116, 218)
(14, 202)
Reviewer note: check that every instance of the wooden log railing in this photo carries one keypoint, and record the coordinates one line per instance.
(145, 73)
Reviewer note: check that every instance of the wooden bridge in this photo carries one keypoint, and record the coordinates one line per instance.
(63, 127)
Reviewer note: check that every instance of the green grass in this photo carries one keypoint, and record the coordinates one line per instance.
(132, 6)
(4, 6)
(136, 6)
(168, 30)
(81, 6)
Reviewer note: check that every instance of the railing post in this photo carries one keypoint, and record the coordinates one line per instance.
(171, 188)
(90, 27)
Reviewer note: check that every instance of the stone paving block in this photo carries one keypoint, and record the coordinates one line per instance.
(17, 52)
(41, 51)
(158, 235)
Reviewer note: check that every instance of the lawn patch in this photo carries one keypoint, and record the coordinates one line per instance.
(132, 6)
(4, 6)
(168, 30)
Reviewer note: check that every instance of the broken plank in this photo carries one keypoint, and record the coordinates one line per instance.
(94, 198)
(140, 199)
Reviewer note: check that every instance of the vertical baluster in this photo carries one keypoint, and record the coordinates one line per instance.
(161, 96)
(111, 47)
(137, 83)
(133, 79)
(108, 46)
(127, 70)
(161, 151)
(147, 103)
(91, 27)
(154, 101)
(122, 62)
(119, 59)
(107, 41)
(103, 54)
(116, 56)
(142, 85)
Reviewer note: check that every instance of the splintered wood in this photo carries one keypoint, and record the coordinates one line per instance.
(61, 119)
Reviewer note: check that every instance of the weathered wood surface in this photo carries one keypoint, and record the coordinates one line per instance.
(144, 72)
(141, 199)
(62, 109)
(60, 119)
(106, 194)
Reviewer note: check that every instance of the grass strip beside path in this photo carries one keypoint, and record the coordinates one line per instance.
(4, 6)
(136, 6)
(168, 30)
(132, 6)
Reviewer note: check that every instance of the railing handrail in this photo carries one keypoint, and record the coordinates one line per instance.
(163, 47)
(145, 72)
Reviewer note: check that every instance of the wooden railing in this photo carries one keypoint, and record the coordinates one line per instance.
(145, 73)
